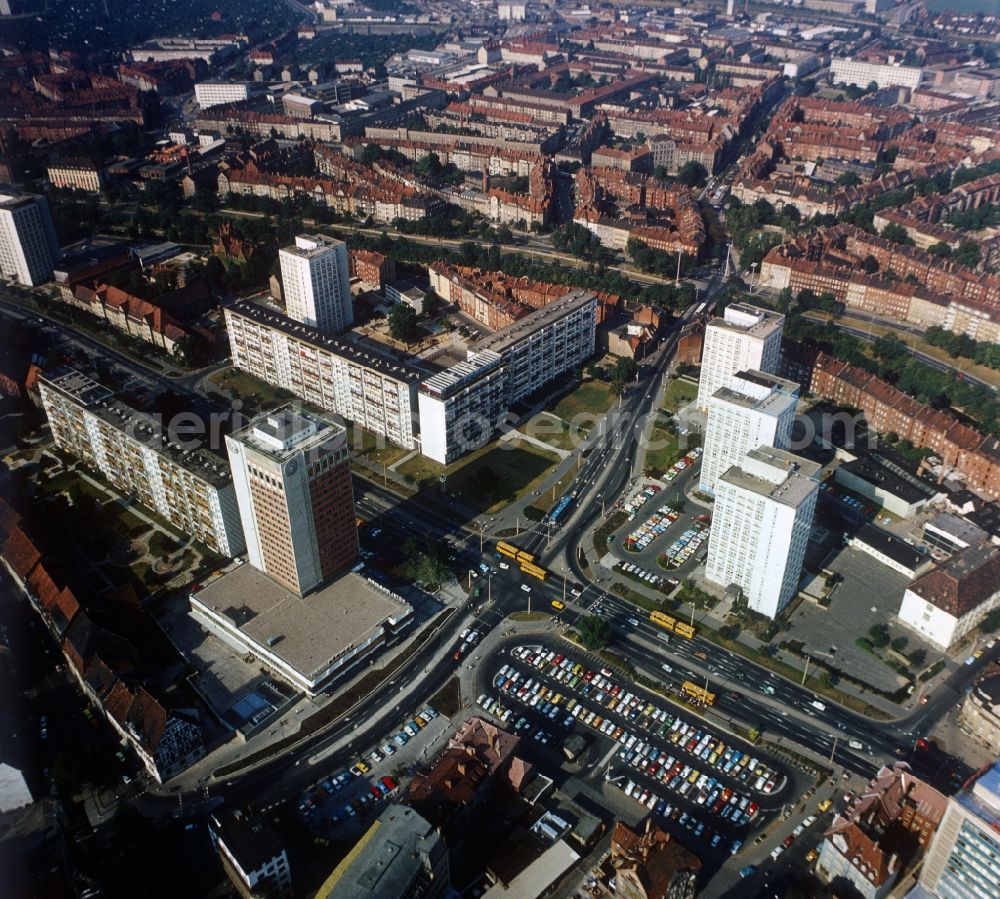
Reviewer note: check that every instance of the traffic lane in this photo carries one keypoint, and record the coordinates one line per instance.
(727, 669)
(733, 670)
(639, 724)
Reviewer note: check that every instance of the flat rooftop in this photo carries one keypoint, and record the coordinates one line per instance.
(779, 392)
(287, 431)
(188, 453)
(306, 633)
(869, 470)
(507, 337)
(272, 317)
(746, 319)
(799, 475)
(450, 381)
(890, 546)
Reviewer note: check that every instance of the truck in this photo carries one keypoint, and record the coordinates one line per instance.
(819, 706)
(855, 744)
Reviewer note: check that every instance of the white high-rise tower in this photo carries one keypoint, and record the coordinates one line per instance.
(763, 515)
(746, 337)
(316, 285)
(28, 243)
(755, 409)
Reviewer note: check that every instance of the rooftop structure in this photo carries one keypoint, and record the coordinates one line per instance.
(400, 854)
(308, 642)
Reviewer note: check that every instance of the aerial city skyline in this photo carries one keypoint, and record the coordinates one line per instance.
(500, 449)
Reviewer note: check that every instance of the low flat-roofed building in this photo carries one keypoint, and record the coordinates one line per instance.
(308, 642)
(890, 550)
(951, 533)
(903, 496)
(401, 854)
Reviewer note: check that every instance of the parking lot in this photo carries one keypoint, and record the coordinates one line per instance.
(659, 518)
(350, 797)
(700, 785)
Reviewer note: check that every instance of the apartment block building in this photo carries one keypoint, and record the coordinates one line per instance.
(845, 70)
(292, 476)
(377, 393)
(763, 515)
(76, 174)
(28, 243)
(963, 861)
(218, 93)
(545, 344)
(140, 455)
(755, 409)
(461, 406)
(252, 854)
(746, 337)
(315, 279)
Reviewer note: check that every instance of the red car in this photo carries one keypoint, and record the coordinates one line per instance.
(390, 783)
(788, 841)
(458, 655)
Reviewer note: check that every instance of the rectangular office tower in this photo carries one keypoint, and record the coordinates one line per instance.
(963, 861)
(28, 244)
(293, 484)
(763, 515)
(315, 281)
(746, 337)
(755, 409)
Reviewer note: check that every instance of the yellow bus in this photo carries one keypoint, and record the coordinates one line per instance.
(534, 570)
(523, 556)
(684, 630)
(558, 605)
(505, 549)
(698, 694)
(664, 620)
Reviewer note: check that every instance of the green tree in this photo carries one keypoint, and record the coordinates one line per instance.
(879, 635)
(594, 631)
(968, 253)
(897, 234)
(693, 174)
(848, 179)
(402, 322)
(941, 249)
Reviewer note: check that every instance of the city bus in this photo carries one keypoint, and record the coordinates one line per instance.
(697, 694)
(505, 549)
(523, 556)
(663, 619)
(534, 570)
(684, 630)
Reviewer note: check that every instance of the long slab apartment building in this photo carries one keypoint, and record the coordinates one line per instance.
(462, 406)
(189, 486)
(324, 370)
(387, 397)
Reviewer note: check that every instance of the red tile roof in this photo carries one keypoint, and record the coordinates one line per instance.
(20, 553)
(963, 582)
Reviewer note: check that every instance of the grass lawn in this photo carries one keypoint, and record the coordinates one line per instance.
(664, 449)
(488, 479)
(679, 393)
(244, 385)
(591, 399)
(553, 431)
(373, 447)
(447, 700)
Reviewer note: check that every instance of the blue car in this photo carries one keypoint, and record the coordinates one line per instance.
(748, 871)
